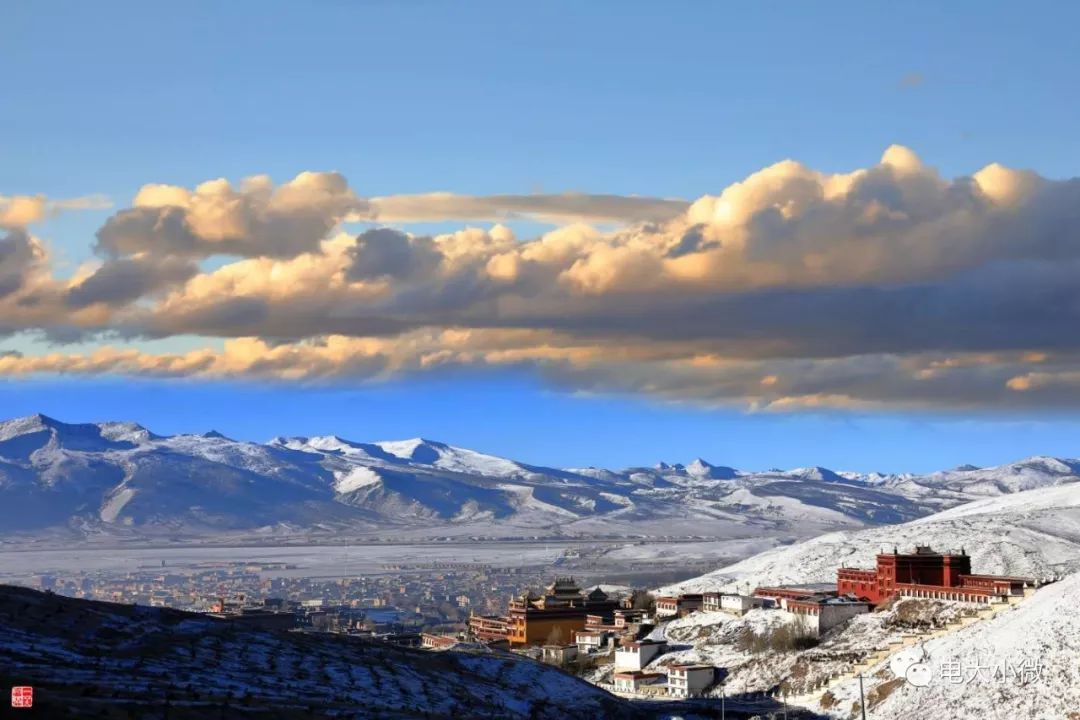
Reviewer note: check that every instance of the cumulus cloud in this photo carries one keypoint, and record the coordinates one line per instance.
(124, 280)
(257, 219)
(254, 219)
(386, 253)
(20, 254)
(885, 286)
(18, 211)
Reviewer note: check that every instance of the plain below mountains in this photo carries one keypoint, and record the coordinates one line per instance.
(119, 480)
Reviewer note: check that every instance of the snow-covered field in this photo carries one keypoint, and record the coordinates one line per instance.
(595, 559)
(312, 561)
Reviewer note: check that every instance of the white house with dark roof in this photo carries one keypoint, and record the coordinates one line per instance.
(636, 655)
(685, 681)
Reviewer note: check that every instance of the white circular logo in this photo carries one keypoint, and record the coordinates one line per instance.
(918, 674)
(901, 661)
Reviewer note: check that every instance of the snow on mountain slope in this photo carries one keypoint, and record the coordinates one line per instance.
(1018, 664)
(447, 457)
(1031, 501)
(120, 477)
(1034, 533)
(971, 482)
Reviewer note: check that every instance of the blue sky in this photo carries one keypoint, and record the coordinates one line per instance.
(660, 99)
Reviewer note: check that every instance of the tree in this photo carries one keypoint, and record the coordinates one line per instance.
(643, 600)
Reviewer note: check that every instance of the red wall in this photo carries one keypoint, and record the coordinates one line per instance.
(880, 584)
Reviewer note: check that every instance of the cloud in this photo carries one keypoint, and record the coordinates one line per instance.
(386, 253)
(557, 208)
(18, 211)
(20, 254)
(887, 286)
(254, 219)
(127, 279)
(257, 219)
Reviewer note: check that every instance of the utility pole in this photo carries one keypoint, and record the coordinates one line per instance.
(783, 699)
(862, 698)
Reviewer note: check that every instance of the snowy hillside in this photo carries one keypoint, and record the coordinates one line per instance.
(1022, 662)
(1017, 663)
(1034, 533)
(94, 659)
(119, 479)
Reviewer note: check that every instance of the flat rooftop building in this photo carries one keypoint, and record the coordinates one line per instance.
(925, 573)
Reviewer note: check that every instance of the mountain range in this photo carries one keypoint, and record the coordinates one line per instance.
(119, 479)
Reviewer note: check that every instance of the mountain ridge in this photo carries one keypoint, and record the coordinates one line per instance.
(122, 478)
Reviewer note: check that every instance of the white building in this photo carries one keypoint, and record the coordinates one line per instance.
(684, 681)
(636, 655)
(559, 654)
(819, 615)
(734, 603)
(667, 607)
(637, 681)
(682, 605)
(591, 641)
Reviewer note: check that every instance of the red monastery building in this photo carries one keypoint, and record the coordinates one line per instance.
(925, 573)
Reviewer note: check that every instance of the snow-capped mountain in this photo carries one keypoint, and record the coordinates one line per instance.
(120, 478)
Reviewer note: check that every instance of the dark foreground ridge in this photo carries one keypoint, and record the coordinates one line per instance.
(88, 659)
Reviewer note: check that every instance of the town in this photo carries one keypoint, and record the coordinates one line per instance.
(575, 628)
(610, 634)
(399, 599)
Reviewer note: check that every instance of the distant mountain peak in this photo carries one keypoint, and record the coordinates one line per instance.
(815, 472)
(704, 469)
(125, 432)
(26, 424)
(418, 449)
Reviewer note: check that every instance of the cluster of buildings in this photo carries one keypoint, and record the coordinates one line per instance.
(681, 605)
(565, 625)
(429, 595)
(631, 672)
(676, 681)
(923, 573)
(560, 615)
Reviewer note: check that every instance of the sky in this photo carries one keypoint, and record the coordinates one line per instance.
(887, 303)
